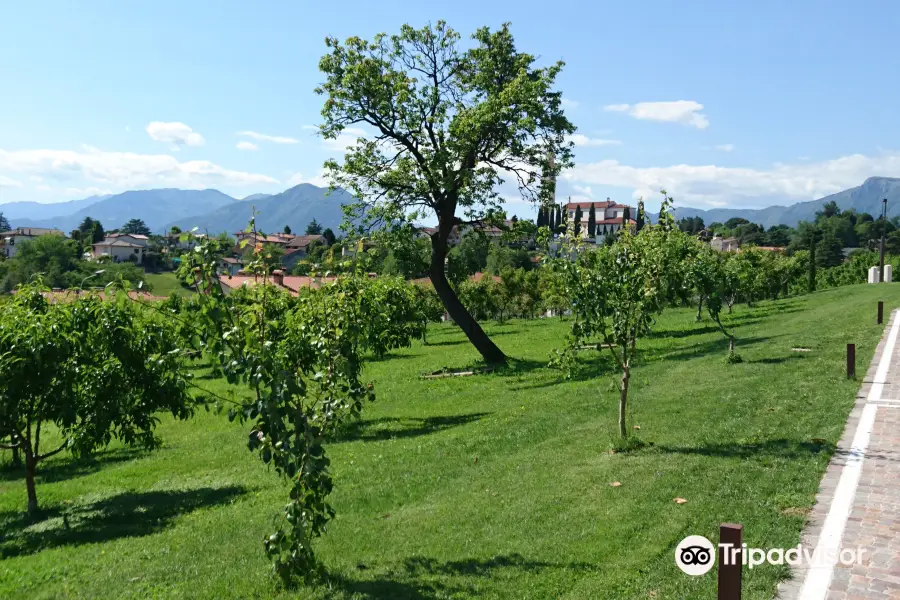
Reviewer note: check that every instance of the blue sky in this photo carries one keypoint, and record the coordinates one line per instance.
(724, 104)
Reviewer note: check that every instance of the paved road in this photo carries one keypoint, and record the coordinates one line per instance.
(858, 505)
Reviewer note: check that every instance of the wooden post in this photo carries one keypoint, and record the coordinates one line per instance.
(880, 312)
(731, 536)
(851, 361)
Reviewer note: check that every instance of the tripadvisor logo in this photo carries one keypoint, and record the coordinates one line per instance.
(695, 555)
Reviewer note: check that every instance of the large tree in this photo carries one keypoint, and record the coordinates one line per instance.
(447, 123)
(136, 227)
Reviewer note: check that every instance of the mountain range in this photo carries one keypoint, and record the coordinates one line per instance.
(207, 210)
(864, 198)
(213, 211)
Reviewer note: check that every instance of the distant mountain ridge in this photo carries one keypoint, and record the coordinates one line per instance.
(213, 211)
(294, 207)
(154, 207)
(863, 198)
(29, 211)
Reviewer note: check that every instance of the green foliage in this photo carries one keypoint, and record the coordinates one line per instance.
(313, 228)
(301, 358)
(4, 223)
(96, 370)
(449, 121)
(616, 293)
(469, 257)
(54, 260)
(136, 226)
(482, 297)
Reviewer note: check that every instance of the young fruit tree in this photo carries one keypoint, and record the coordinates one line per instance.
(616, 293)
(92, 370)
(445, 123)
(301, 359)
(708, 272)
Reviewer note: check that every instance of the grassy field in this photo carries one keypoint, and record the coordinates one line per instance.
(492, 486)
(166, 284)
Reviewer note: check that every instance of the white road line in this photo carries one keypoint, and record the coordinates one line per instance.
(818, 578)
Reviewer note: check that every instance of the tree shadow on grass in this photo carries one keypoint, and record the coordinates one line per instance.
(716, 346)
(386, 428)
(130, 514)
(371, 358)
(775, 448)
(421, 578)
(68, 468)
(776, 360)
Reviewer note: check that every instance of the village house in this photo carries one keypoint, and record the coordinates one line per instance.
(10, 240)
(724, 244)
(191, 241)
(608, 216)
(229, 265)
(298, 248)
(122, 247)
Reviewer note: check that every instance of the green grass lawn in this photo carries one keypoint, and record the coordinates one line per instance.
(491, 486)
(166, 284)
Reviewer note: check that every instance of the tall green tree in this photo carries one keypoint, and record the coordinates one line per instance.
(136, 226)
(578, 216)
(641, 216)
(808, 235)
(592, 222)
(4, 223)
(447, 119)
(314, 228)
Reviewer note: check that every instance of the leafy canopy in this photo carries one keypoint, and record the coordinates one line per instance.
(447, 122)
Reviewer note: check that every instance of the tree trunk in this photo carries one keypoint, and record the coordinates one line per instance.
(457, 311)
(623, 402)
(30, 467)
(700, 310)
(16, 458)
(730, 345)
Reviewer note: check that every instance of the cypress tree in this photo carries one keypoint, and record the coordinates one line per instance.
(578, 215)
(640, 216)
(592, 221)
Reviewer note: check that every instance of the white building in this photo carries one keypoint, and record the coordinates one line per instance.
(10, 240)
(122, 247)
(608, 216)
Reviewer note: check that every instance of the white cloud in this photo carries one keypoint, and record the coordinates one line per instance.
(346, 138)
(317, 180)
(725, 147)
(43, 187)
(711, 185)
(174, 133)
(9, 183)
(246, 146)
(580, 139)
(86, 192)
(566, 103)
(125, 170)
(262, 137)
(686, 112)
(584, 190)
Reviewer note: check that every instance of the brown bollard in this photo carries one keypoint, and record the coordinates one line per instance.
(731, 537)
(851, 361)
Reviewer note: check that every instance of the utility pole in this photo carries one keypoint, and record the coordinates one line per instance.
(883, 229)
